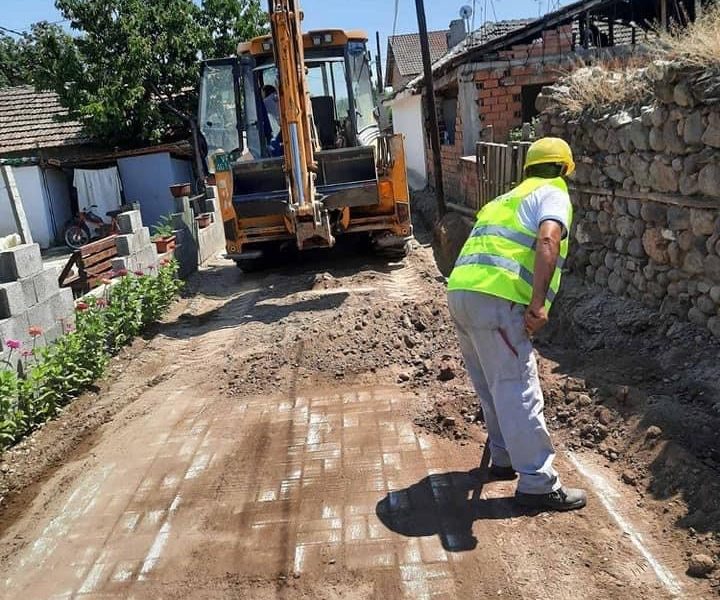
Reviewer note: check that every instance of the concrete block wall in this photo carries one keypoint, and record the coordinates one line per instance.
(136, 252)
(30, 297)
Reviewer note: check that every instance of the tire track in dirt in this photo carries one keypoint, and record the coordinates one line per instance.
(256, 470)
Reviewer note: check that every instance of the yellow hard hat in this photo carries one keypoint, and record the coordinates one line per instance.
(551, 150)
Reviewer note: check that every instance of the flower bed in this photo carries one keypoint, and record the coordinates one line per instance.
(52, 376)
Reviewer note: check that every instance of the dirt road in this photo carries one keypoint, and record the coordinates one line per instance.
(263, 444)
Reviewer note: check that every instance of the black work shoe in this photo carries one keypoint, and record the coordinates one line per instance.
(562, 499)
(502, 473)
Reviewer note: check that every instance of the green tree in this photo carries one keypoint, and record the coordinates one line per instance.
(131, 75)
(227, 22)
(25, 60)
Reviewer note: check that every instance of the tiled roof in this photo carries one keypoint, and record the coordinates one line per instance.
(484, 35)
(406, 50)
(31, 120)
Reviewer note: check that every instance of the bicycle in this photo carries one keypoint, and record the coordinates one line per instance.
(78, 230)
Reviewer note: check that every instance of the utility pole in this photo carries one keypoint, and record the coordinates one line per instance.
(381, 82)
(16, 205)
(431, 110)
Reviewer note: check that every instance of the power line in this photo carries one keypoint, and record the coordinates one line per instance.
(13, 31)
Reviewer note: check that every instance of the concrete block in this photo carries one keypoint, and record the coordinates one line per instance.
(121, 263)
(12, 300)
(142, 238)
(20, 262)
(210, 205)
(28, 287)
(46, 284)
(126, 244)
(42, 315)
(147, 259)
(130, 222)
(14, 328)
(63, 307)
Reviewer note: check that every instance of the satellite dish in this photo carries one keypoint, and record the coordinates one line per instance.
(466, 12)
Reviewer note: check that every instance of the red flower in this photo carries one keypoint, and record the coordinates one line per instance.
(13, 344)
(101, 302)
(122, 272)
(35, 331)
(81, 306)
(27, 353)
(139, 272)
(69, 328)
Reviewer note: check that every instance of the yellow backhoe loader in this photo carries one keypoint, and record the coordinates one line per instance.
(293, 145)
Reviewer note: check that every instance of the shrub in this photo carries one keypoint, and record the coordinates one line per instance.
(54, 375)
(695, 46)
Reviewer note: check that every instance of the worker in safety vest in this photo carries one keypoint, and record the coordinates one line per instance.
(500, 291)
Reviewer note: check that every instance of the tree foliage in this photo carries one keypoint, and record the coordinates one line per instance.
(130, 74)
(35, 57)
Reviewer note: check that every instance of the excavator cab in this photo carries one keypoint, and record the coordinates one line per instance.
(358, 175)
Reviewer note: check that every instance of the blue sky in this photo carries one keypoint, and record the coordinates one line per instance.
(370, 15)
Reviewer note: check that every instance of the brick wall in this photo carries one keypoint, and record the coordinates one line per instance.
(499, 101)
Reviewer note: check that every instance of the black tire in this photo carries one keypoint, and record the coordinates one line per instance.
(76, 236)
(268, 258)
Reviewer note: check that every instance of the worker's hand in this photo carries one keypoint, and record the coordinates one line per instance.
(536, 318)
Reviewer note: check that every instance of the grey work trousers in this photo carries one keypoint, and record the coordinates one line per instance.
(501, 364)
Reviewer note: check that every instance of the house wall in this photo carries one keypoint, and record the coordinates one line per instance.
(146, 180)
(490, 101)
(35, 202)
(59, 200)
(408, 121)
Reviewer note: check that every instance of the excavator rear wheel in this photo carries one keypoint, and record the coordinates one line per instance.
(262, 257)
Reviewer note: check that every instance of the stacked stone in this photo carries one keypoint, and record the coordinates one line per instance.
(136, 252)
(651, 230)
(31, 297)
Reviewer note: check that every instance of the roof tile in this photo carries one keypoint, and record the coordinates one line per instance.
(30, 119)
(406, 50)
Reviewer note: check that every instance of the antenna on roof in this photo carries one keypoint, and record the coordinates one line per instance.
(466, 13)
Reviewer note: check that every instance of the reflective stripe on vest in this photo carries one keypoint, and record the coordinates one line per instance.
(499, 255)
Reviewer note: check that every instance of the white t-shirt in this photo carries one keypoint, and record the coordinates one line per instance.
(547, 203)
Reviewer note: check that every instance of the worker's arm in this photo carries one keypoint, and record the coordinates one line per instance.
(546, 255)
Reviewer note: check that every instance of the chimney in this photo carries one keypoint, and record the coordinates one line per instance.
(457, 33)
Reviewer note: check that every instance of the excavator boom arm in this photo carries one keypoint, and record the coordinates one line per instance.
(295, 108)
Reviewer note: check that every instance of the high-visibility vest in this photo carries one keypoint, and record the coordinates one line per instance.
(499, 256)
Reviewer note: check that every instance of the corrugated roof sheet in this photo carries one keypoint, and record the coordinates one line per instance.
(30, 119)
(406, 50)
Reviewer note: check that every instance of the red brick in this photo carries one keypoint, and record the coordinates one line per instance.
(491, 83)
(485, 93)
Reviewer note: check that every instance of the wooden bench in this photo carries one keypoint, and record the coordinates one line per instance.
(93, 262)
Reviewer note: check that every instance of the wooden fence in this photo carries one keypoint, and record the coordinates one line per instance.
(500, 168)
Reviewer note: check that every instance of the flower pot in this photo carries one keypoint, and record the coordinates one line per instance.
(164, 245)
(181, 189)
(203, 220)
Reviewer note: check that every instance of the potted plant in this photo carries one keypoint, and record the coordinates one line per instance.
(204, 220)
(164, 236)
(181, 189)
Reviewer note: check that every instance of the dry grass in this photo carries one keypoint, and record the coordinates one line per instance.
(599, 88)
(696, 46)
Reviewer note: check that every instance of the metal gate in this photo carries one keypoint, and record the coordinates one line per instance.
(500, 168)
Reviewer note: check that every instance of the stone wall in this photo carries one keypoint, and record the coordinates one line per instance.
(647, 196)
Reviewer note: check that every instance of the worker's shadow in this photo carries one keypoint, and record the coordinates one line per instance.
(444, 505)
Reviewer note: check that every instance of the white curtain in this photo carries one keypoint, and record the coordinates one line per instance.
(98, 186)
